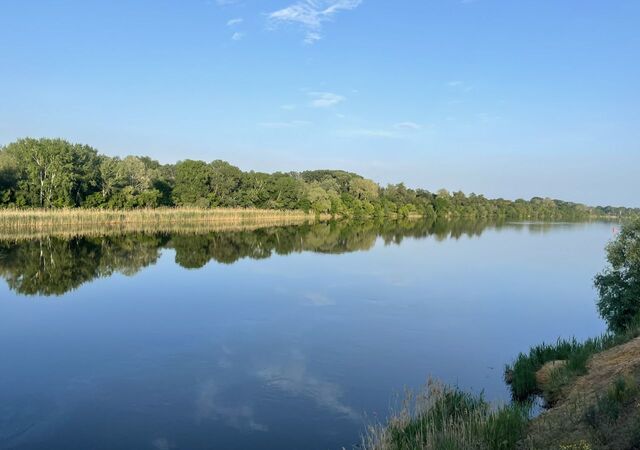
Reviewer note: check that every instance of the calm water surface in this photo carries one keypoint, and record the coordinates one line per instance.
(279, 338)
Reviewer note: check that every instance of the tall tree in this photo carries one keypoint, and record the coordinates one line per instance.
(224, 181)
(619, 284)
(9, 173)
(363, 189)
(192, 184)
(55, 173)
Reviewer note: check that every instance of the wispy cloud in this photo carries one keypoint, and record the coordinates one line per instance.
(290, 124)
(488, 119)
(400, 130)
(319, 299)
(407, 126)
(234, 22)
(459, 85)
(369, 133)
(211, 406)
(292, 377)
(311, 15)
(325, 99)
(161, 444)
(237, 36)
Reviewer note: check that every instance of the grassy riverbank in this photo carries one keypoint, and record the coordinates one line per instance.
(19, 224)
(597, 410)
(591, 388)
(548, 368)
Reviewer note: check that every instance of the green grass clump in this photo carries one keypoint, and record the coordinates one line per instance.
(446, 418)
(521, 375)
(613, 419)
(608, 408)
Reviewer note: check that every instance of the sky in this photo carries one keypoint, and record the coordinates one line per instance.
(510, 99)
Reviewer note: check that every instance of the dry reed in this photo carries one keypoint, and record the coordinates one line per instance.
(24, 224)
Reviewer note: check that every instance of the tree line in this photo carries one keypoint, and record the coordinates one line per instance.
(53, 173)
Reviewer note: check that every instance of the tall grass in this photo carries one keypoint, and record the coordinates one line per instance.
(15, 224)
(521, 375)
(446, 418)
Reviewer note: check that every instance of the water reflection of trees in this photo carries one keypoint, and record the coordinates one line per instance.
(54, 266)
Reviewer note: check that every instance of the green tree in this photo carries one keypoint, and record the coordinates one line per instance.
(110, 180)
(126, 183)
(224, 182)
(53, 172)
(442, 203)
(619, 284)
(253, 190)
(8, 178)
(86, 168)
(192, 183)
(134, 173)
(285, 191)
(319, 198)
(363, 189)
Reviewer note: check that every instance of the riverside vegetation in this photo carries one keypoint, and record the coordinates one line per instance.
(53, 174)
(30, 223)
(591, 388)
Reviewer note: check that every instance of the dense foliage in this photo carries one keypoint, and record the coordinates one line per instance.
(53, 173)
(619, 284)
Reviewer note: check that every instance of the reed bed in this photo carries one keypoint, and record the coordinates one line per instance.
(443, 417)
(33, 223)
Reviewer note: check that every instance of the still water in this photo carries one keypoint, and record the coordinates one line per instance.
(280, 338)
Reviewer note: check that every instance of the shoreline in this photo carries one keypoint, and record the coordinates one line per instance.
(594, 410)
(597, 409)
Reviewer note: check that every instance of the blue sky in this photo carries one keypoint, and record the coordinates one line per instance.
(506, 98)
